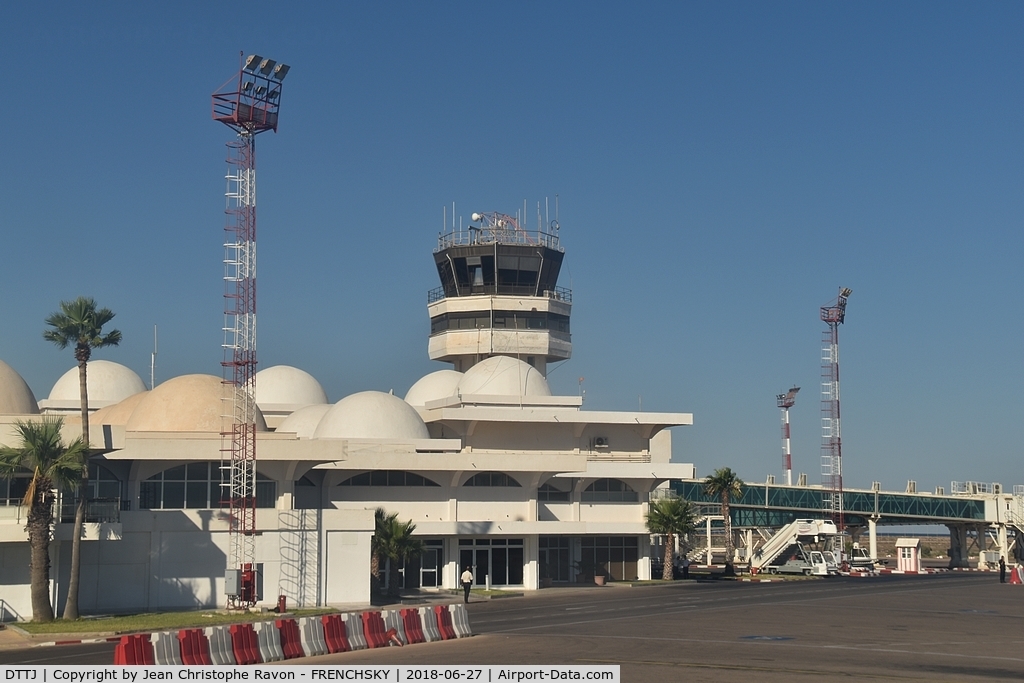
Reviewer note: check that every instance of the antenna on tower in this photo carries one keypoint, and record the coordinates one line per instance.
(832, 315)
(152, 363)
(785, 402)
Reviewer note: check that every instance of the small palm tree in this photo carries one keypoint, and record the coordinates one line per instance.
(671, 517)
(725, 485)
(53, 465)
(79, 323)
(398, 545)
(382, 522)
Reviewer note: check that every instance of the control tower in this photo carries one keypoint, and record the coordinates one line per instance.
(499, 295)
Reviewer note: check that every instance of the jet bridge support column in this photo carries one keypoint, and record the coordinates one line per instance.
(873, 537)
(957, 545)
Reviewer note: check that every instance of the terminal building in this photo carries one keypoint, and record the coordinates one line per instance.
(525, 487)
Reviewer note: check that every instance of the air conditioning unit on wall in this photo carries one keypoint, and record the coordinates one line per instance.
(600, 442)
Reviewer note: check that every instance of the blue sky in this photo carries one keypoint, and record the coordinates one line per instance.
(722, 169)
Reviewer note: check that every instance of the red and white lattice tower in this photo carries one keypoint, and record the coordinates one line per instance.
(832, 315)
(248, 104)
(785, 402)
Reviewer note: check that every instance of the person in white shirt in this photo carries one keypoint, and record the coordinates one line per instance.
(467, 582)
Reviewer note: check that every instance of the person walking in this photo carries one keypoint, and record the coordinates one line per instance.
(467, 583)
(1002, 570)
(686, 567)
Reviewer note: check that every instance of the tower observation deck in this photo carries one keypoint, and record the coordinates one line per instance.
(499, 295)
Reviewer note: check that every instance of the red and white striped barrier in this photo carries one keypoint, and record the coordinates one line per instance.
(444, 622)
(134, 649)
(244, 644)
(354, 631)
(254, 643)
(428, 620)
(413, 626)
(269, 639)
(166, 649)
(460, 620)
(312, 630)
(195, 648)
(219, 640)
(393, 622)
(334, 633)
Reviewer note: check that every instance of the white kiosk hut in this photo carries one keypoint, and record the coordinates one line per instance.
(908, 553)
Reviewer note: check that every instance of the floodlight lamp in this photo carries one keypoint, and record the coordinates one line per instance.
(274, 94)
(845, 292)
(266, 65)
(251, 62)
(247, 86)
(280, 71)
(260, 89)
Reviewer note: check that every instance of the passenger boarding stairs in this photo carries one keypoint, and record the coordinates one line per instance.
(801, 530)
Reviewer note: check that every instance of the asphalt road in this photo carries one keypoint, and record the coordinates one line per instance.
(946, 627)
(955, 627)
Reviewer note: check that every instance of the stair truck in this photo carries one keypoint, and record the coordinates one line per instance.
(785, 553)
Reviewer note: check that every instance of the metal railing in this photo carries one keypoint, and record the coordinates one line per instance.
(563, 294)
(488, 235)
(97, 510)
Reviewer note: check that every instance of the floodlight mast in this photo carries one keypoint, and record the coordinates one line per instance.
(785, 402)
(249, 105)
(832, 315)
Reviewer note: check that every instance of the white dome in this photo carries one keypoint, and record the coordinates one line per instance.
(15, 396)
(371, 415)
(118, 413)
(303, 421)
(108, 383)
(503, 376)
(283, 385)
(190, 403)
(440, 384)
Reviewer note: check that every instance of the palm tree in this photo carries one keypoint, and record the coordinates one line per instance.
(382, 521)
(80, 324)
(671, 517)
(396, 543)
(53, 465)
(725, 485)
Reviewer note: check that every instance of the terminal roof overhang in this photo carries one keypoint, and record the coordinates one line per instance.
(545, 409)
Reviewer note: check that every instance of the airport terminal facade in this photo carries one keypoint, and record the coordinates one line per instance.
(526, 488)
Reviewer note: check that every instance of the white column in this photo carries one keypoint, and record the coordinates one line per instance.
(873, 538)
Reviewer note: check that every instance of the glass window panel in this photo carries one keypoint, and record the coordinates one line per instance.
(108, 489)
(197, 471)
(174, 495)
(266, 494)
(531, 263)
(175, 473)
(515, 565)
(149, 495)
(379, 478)
(196, 493)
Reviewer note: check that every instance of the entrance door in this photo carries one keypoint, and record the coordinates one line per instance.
(502, 558)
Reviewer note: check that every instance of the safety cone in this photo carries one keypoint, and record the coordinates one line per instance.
(1015, 577)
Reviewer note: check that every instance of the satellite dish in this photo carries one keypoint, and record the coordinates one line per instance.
(476, 217)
